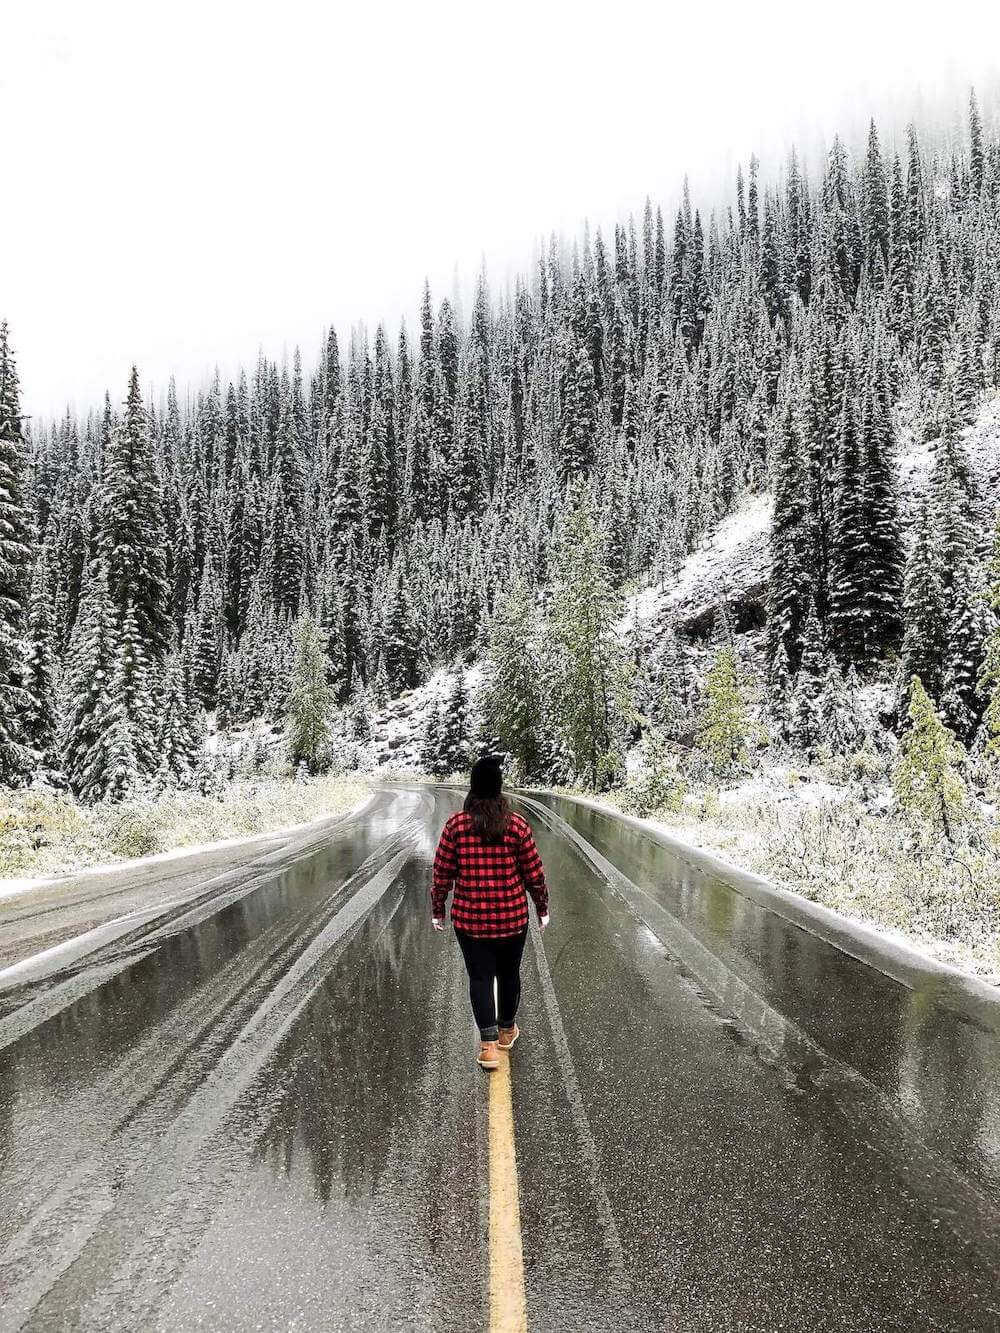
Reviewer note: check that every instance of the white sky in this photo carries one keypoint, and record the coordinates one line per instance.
(184, 183)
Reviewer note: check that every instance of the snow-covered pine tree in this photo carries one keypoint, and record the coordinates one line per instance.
(882, 590)
(849, 557)
(454, 733)
(117, 771)
(953, 502)
(513, 702)
(133, 694)
(177, 742)
(401, 636)
(430, 747)
(591, 706)
(989, 678)
(925, 610)
(201, 640)
(578, 424)
(792, 586)
(16, 757)
(965, 646)
(840, 724)
(90, 664)
(360, 713)
(781, 697)
(132, 526)
(671, 686)
(40, 679)
(310, 698)
(809, 681)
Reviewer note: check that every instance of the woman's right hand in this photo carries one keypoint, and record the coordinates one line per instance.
(437, 922)
(543, 921)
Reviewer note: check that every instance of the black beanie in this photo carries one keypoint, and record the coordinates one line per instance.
(486, 778)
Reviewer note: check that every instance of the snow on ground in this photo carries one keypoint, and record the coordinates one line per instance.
(742, 850)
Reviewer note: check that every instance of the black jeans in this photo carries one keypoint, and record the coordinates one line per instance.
(486, 959)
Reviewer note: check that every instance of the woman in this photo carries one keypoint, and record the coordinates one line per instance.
(489, 854)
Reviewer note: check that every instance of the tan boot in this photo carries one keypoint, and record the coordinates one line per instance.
(489, 1055)
(508, 1036)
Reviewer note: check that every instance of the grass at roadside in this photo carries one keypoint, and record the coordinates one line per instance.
(46, 833)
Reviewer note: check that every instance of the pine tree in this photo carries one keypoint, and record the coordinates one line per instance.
(132, 694)
(133, 529)
(849, 555)
(961, 704)
(454, 730)
(310, 698)
(927, 779)
(671, 702)
(840, 725)
(430, 749)
(16, 757)
(401, 636)
(976, 157)
(115, 771)
(813, 670)
(882, 590)
(876, 205)
(590, 676)
(792, 584)
(513, 702)
(90, 663)
(989, 678)
(201, 641)
(40, 679)
(579, 415)
(726, 730)
(177, 742)
(924, 609)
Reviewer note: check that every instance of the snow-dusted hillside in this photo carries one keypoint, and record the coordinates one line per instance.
(916, 457)
(398, 728)
(729, 568)
(731, 565)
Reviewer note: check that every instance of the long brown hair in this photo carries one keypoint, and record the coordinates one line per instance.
(490, 815)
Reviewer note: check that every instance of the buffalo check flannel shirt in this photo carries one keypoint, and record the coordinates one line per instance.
(489, 878)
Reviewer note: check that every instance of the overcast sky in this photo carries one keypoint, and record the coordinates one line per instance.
(183, 183)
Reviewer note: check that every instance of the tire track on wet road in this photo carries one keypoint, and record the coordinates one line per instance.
(213, 1066)
(971, 1214)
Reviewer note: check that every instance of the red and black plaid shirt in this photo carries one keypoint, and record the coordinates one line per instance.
(489, 878)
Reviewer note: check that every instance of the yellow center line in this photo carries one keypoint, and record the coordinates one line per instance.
(507, 1310)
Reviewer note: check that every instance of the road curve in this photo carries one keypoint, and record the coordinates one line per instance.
(243, 1097)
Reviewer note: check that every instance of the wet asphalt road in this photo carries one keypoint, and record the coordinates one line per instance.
(259, 1108)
